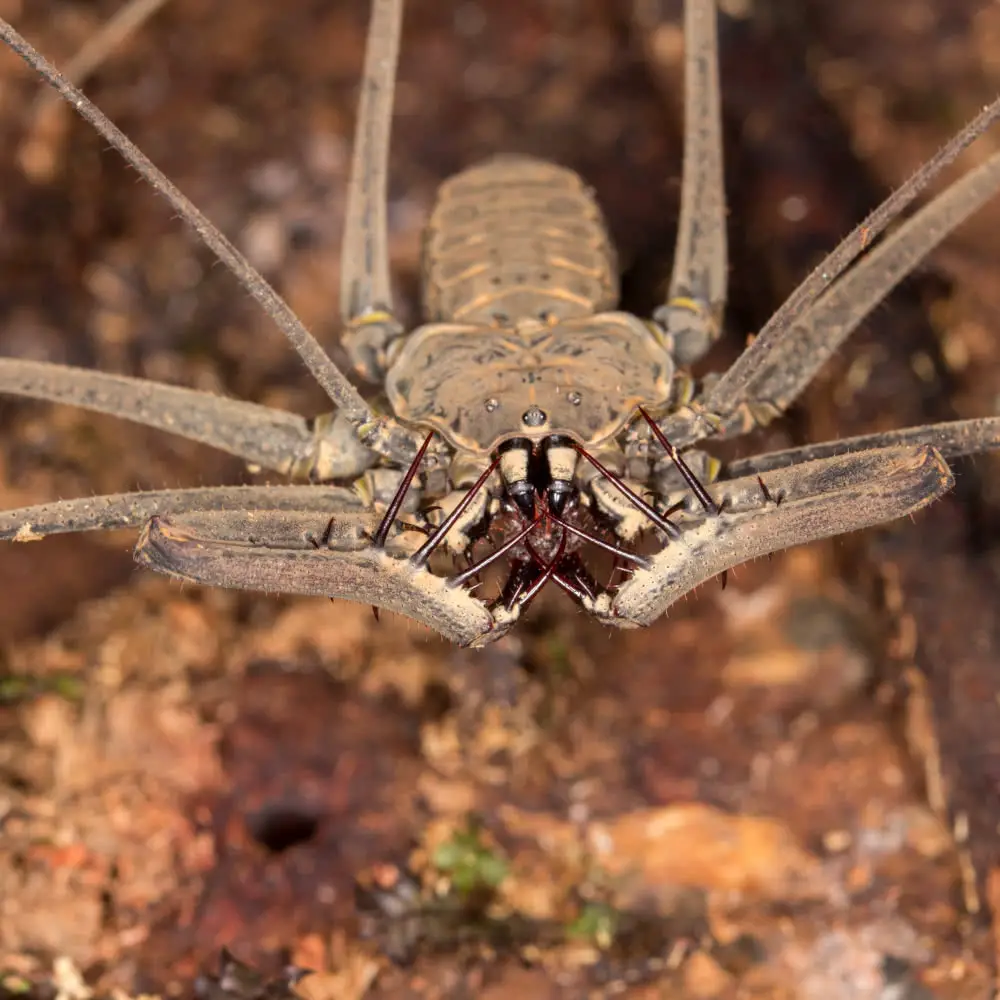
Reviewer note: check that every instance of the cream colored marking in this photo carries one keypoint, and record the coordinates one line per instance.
(514, 465)
(26, 533)
(562, 462)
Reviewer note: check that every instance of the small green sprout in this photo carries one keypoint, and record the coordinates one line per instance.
(597, 923)
(14, 984)
(471, 865)
(16, 688)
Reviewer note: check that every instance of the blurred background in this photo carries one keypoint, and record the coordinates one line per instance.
(182, 770)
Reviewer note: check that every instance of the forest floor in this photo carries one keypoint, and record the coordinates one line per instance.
(786, 788)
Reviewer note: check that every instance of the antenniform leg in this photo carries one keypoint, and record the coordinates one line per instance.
(382, 435)
(952, 439)
(132, 510)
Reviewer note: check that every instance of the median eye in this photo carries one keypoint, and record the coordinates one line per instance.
(534, 416)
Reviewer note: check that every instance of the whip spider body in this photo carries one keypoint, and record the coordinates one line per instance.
(530, 421)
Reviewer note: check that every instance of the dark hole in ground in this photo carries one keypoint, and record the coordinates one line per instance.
(437, 702)
(281, 826)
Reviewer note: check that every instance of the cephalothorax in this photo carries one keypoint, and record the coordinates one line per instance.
(531, 422)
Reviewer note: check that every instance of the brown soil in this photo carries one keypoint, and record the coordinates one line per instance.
(754, 798)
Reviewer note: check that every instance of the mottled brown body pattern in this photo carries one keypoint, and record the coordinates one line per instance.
(517, 237)
(518, 271)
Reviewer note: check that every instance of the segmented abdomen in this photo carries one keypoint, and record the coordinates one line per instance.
(517, 237)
